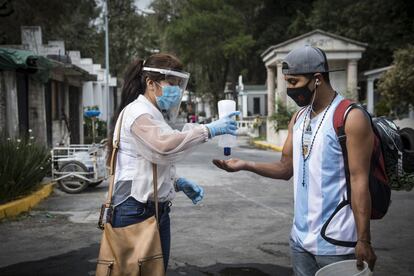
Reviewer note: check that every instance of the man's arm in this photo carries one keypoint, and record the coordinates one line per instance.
(359, 143)
(282, 169)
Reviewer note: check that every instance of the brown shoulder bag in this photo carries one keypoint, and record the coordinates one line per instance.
(134, 249)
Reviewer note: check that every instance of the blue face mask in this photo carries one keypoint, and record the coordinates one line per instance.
(171, 97)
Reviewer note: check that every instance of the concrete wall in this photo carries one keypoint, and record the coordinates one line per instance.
(37, 113)
(250, 102)
(203, 105)
(81, 119)
(3, 102)
(97, 91)
(339, 78)
(9, 118)
(273, 137)
(60, 134)
(88, 99)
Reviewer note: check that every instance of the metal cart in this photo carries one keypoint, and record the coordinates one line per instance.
(76, 167)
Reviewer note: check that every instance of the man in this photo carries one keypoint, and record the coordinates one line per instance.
(313, 156)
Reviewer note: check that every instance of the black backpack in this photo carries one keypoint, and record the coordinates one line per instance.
(386, 164)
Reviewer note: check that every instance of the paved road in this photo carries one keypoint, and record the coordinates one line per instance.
(241, 227)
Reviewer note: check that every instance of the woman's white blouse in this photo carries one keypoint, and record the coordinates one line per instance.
(145, 139)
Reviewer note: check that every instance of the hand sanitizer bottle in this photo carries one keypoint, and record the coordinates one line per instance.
(227, 141)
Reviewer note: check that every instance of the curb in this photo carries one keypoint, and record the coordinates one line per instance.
(15, 207)
(265, 145)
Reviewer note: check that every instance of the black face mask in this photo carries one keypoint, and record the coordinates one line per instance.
(301, 95)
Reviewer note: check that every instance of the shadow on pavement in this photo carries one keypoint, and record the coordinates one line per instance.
(82, 262)
(232, 270)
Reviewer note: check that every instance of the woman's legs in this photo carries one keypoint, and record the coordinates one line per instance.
(165, 236)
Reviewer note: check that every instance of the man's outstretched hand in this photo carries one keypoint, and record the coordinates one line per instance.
(231, 165)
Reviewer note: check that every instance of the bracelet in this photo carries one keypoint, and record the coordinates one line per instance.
(209, 134)
(175, 185)
(366, 241)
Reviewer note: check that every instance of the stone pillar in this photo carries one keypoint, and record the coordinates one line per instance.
(9, 114)
(270, 90)
(352, 74)
(37, 111)
(3, 102)
(98, 97)
(81, 117)
(281, 84)
(244, 104)
(370, 96)
(31, 37)
(411, 113)
(87, 94)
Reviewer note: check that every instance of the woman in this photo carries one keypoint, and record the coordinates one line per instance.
(152, 91)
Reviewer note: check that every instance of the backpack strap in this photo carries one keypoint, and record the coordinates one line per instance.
(340, 114)
(339, 118)
(299, 113)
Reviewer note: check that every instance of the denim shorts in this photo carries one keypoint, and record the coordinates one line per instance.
(132, 211)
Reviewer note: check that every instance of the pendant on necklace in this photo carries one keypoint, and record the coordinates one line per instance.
(305, 150)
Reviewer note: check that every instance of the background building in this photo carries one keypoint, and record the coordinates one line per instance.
(44, 90)
(341, 52)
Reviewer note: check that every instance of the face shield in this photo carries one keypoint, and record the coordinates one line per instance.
(177, 81)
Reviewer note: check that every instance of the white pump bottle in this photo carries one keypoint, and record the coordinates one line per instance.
(227, 141)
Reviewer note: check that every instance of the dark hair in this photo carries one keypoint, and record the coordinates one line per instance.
(325, 76)
(135, 83)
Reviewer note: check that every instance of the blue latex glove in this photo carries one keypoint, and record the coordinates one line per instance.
(226, 125)
(191, 190)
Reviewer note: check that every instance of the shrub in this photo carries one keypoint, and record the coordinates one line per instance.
(23, 164)
(396, 85)
(282, 117)
(257, 122)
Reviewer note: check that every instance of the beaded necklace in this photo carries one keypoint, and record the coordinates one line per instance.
(305, 152)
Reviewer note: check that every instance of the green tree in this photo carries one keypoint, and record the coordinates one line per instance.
(396, 86)
(384, 25)
(80, 24)
(71, 21)
(210, 37)
(270, 22)
(130, 35)
(267, 22)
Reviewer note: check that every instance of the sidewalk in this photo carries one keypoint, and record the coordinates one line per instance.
(266, 145)
(14, 208)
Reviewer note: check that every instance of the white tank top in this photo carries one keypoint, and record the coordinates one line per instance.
(320, 188)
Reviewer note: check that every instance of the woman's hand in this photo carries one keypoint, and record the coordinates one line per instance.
(231, 165)
(226, 125)
(190, 189)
